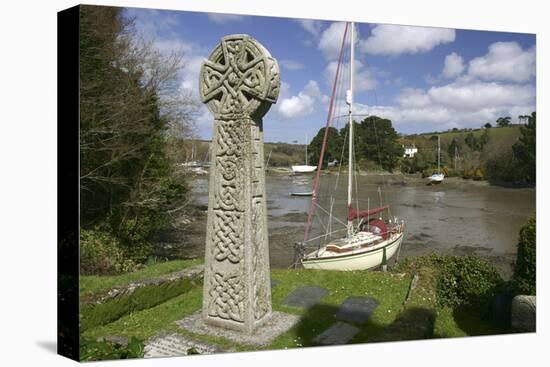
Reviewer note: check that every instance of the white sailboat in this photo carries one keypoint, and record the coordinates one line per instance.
(369, 243)
(437, 177)
(303, 168)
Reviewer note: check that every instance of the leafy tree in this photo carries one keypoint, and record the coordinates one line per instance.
(471, 141)
(129, 104)
(523, 118)
(518, 164)
(477, 143)
(377, 141)
(488, 125)
(503, 121)
(333, 149)
(525, 150)
(525, 270)
(453, 147)
(483, 139)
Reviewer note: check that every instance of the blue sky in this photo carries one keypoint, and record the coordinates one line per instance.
(422, 78)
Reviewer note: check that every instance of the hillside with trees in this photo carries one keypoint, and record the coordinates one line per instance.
(500, 152)
(504, 154)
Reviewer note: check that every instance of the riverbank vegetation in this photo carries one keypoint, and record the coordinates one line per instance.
(502, 153)
(130, 108)
(505, 154)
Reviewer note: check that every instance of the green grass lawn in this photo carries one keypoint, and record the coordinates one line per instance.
(94, 283)
(420, 318)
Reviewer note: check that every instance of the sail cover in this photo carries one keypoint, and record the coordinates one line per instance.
(352, 213)
(377, 226)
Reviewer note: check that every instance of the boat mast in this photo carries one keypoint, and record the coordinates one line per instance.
(350, 147)
(438, 153)
(306, 149)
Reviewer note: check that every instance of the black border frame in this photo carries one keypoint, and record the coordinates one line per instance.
(68, 213)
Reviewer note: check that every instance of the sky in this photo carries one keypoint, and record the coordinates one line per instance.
(422, 78)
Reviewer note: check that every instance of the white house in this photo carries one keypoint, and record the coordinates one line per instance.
(410, 151)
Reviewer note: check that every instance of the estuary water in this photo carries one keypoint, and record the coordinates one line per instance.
(459, 217)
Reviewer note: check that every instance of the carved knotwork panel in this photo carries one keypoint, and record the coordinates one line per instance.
(227, 295)
(228, 236)
(239, 78)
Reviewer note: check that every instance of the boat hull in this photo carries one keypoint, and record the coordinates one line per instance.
(360, 260)
(436, 179)
(309, 193)
(303, 169)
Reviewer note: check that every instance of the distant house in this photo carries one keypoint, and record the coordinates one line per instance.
(410, 151)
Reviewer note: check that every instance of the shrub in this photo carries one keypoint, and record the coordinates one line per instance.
(460, 280)
(101, 253)
(467, 281)
(526, 258)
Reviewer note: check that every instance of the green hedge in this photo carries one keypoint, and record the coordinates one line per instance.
(525, 271)
(95, 314)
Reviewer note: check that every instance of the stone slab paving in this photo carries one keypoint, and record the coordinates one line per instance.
(173, 345)
(356, 309)
(337, 334)
(304, 297)
(277, 324)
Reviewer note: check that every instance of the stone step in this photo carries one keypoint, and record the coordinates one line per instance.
(173, 345)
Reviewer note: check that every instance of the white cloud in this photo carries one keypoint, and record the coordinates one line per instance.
(476, 95)
(300, 105)
(311, 26)
(454, 65)
(505, 61)
(387, 39)
(411, 97)
(466, 102)
(364, 78)
(224, 18)
(331, 40)
(190, 73)
(291, 65)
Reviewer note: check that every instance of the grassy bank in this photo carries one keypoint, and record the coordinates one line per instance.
(94, 283)
(395, 318)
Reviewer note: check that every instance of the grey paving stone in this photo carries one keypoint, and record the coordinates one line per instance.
(338, 333)
(356, 309)
(274, 283)
(304, 297)
(172, 345)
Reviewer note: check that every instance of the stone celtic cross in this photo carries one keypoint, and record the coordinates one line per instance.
(239, 82)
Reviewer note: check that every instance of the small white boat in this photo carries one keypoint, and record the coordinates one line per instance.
(437, 177)
(305, 193)
(304, 168)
